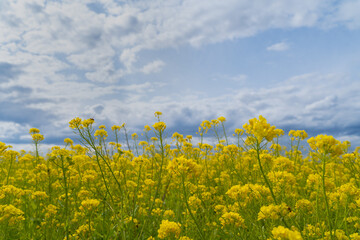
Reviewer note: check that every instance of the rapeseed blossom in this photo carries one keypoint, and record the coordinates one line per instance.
(261, 129)
(75, 123)
(168, 229)
(282, 233)
(325, 144)
(273, 212)
(232, 218)
(37, 137)
(90, 204)
(159, 126)
(246, 187)
(34, 130)
(11, 215)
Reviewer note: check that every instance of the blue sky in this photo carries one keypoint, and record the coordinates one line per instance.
(294, 62)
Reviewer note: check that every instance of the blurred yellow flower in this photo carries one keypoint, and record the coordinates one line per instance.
(168, 229)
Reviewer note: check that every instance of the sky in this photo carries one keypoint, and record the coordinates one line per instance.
(297, 63)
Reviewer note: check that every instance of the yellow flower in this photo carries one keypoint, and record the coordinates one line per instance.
(220, 209)
(157, 114)
(194, 202)
(184, 238)
(156, 212)
(11, 215)
(248, 192)
(34, 130)
(3, 147)
(143, 143)
(260, 129)
(221, 119)
(239, 131)
(90, 204)
(283, 233)
(312, 231)
(83, 232)
(283, 178)
(325, 144)
(115, 128)
(68, 141)
(39, 195)
(304, 205)
(168, 229)
(75, 123)
(149, 182)
(11, 190)
(177, 136)
(101, 133)
(215, 122)
(301, 134)
(232, 219)
(37, 137)
(182, 165)
(339, 235)
(355, 236)
(206, 125)
(50, 211)
(88, 122)
(134, 136)
(169, 214)
(159, 126)
(273, 212)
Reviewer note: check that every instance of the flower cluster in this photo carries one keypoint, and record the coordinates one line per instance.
(168, 229)
(261, 130)
(147, 186)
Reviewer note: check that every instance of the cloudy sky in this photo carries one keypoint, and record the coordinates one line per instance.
(297, 63)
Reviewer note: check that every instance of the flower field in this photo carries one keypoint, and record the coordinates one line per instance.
(173, 188)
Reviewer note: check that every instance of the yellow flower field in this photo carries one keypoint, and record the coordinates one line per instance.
(166, 188)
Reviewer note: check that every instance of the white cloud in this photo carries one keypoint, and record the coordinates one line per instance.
(323, 104)
(92, 41)
(348, 14)
(153, 67)
(128, 58)
(73, 59)
(281, 46)
(239, 78)
(310, 101)
(11, 129)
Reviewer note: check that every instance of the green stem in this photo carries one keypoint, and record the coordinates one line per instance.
(216, 134)
(326, 200)
(8, 174)
(188, 207)
(127, 139)
(258, 148)
(159, 182)
(227, 143)
(263, 173)
(66, 199)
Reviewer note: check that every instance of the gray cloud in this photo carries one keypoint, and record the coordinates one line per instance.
(307, 102)
(19, 113)
(35, 8)
(82, 30)
(96, 7)
(9, 71)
